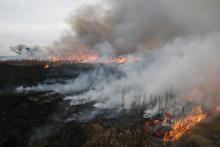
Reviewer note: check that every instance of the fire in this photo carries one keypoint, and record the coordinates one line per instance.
(184, 125)
(88, 58)
(82, 58)
(118, 60)
(46, 66)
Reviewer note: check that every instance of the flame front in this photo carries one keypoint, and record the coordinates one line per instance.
(88, 58)
(118, 60)
(184, 125)
(83, 58)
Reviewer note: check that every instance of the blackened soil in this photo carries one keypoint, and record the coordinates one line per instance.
(20, 113)
(33, 118)
(22, 116)
(38, 119)
(24, 73)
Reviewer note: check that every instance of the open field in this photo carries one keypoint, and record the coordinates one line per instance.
(38, 119)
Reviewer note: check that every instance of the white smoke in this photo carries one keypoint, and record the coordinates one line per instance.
(179, 65)
(184, 38)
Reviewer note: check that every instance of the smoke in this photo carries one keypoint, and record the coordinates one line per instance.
(178, 40)
(180, 65)
(117, 27)
(128, 26)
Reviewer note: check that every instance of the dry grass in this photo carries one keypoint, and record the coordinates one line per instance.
(206, 134)
(114, 136)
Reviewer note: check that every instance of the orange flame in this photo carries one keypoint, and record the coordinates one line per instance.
(83, 58)
(46, 66)
(118, 60)
(184, 125)
(88, 58)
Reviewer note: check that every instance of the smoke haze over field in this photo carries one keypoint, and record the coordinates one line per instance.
(178, 40)
(180, 65)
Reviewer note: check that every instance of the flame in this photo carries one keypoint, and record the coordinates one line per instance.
(46, 66)
(184, 125)
(82, 58)
(90, 58)
(118, 60)
(87, 58)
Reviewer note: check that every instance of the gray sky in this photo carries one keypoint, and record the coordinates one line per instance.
(33, 22)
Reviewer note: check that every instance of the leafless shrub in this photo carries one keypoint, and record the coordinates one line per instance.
(164, 102)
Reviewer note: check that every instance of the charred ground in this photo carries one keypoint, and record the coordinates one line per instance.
(38, 118)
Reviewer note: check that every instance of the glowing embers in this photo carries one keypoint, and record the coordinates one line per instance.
(182, 126)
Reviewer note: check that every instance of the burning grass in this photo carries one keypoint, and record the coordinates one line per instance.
(126, 129)
(182, 126)
(91, 58)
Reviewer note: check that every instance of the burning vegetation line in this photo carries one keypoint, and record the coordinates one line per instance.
(182, 126)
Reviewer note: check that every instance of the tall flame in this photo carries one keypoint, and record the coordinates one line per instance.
(184, 125)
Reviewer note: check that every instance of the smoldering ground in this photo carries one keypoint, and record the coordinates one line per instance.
(178, 46)
(177, 40)
(182, 37)
(180, 65)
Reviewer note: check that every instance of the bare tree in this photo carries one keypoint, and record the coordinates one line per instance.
(19, 48)
(22, 48)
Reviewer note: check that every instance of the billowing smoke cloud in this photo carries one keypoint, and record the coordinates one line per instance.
(180, 65)
(127, 26)
(184, 38)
